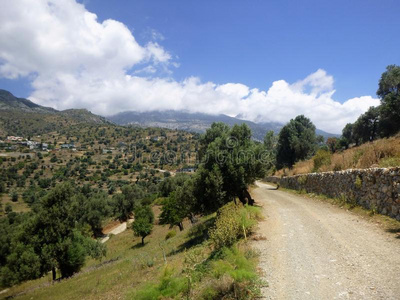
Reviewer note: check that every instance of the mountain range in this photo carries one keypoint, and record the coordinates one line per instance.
(195, 122)
(20, 116)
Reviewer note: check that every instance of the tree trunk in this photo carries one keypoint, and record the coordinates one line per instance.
(143, 240)
(180, 226)
(53, 271)
(192, 218)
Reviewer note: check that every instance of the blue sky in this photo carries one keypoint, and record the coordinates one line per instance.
(258, 42)
(214, 50)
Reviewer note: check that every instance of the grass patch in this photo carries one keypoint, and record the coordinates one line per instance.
(185, 265)
(216, 268)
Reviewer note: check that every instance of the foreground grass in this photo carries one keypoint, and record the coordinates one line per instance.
(183, 266)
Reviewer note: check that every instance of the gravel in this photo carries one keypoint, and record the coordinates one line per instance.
(314, 250)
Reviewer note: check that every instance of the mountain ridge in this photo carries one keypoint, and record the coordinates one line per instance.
(30, 118)
(195, 122)
(20, 116)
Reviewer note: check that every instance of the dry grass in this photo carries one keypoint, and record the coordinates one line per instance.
(380, 153)
(127, 265)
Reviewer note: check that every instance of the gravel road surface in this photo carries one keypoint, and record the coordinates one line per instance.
(314, 250)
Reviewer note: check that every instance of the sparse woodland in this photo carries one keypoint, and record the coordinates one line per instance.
(189, 229)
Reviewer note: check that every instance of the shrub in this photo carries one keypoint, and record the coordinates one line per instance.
(170, 234)
(14, 196)
(8, 208)
(233, 222)
(321, 158)
(235, 276)
(169, 287)
(357, 155)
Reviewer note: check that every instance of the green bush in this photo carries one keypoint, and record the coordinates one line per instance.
(233, 222)
(170, 234)
(169, 287)
(235, 276)
(321, 158)
(14, 196)
(357, 155)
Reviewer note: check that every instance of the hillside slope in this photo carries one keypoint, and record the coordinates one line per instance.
(19, 116)
(380, 153)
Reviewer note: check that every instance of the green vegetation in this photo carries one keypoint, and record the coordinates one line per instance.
(218, 268)
(232, 223)
(65, 198)
(230, 162)
(49, 239)
(382, 121)
(143, 223)
(297, 141)
(321, 158)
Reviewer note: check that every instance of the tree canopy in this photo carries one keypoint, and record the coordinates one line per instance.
(380, 121)
(143, 223)
(49, 239)
(230, 161)
(297, 141)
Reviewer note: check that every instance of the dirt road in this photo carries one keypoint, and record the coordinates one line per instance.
(314, 250)
(117, 230)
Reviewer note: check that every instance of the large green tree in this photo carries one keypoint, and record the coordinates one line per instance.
(347, 136)
(95, 207)
(389, 92)
(230, 162)
(51, 240)
(125, 202)
(365, 129)
(297, 141)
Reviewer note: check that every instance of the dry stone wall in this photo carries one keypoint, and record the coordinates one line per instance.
(377, 188)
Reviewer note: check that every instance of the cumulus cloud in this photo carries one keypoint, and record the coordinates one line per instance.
(75, 61)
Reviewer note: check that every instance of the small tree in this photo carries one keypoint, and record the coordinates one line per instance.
(143, 224)
(172, 212)
(14, 196)
(333, 144)
(347, 135)
(8, 208)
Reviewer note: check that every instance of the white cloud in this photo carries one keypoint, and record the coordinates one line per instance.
(76, 61)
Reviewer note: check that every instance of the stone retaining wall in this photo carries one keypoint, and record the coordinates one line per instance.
(377, 189)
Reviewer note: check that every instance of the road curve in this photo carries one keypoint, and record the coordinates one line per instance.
(314, 250)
